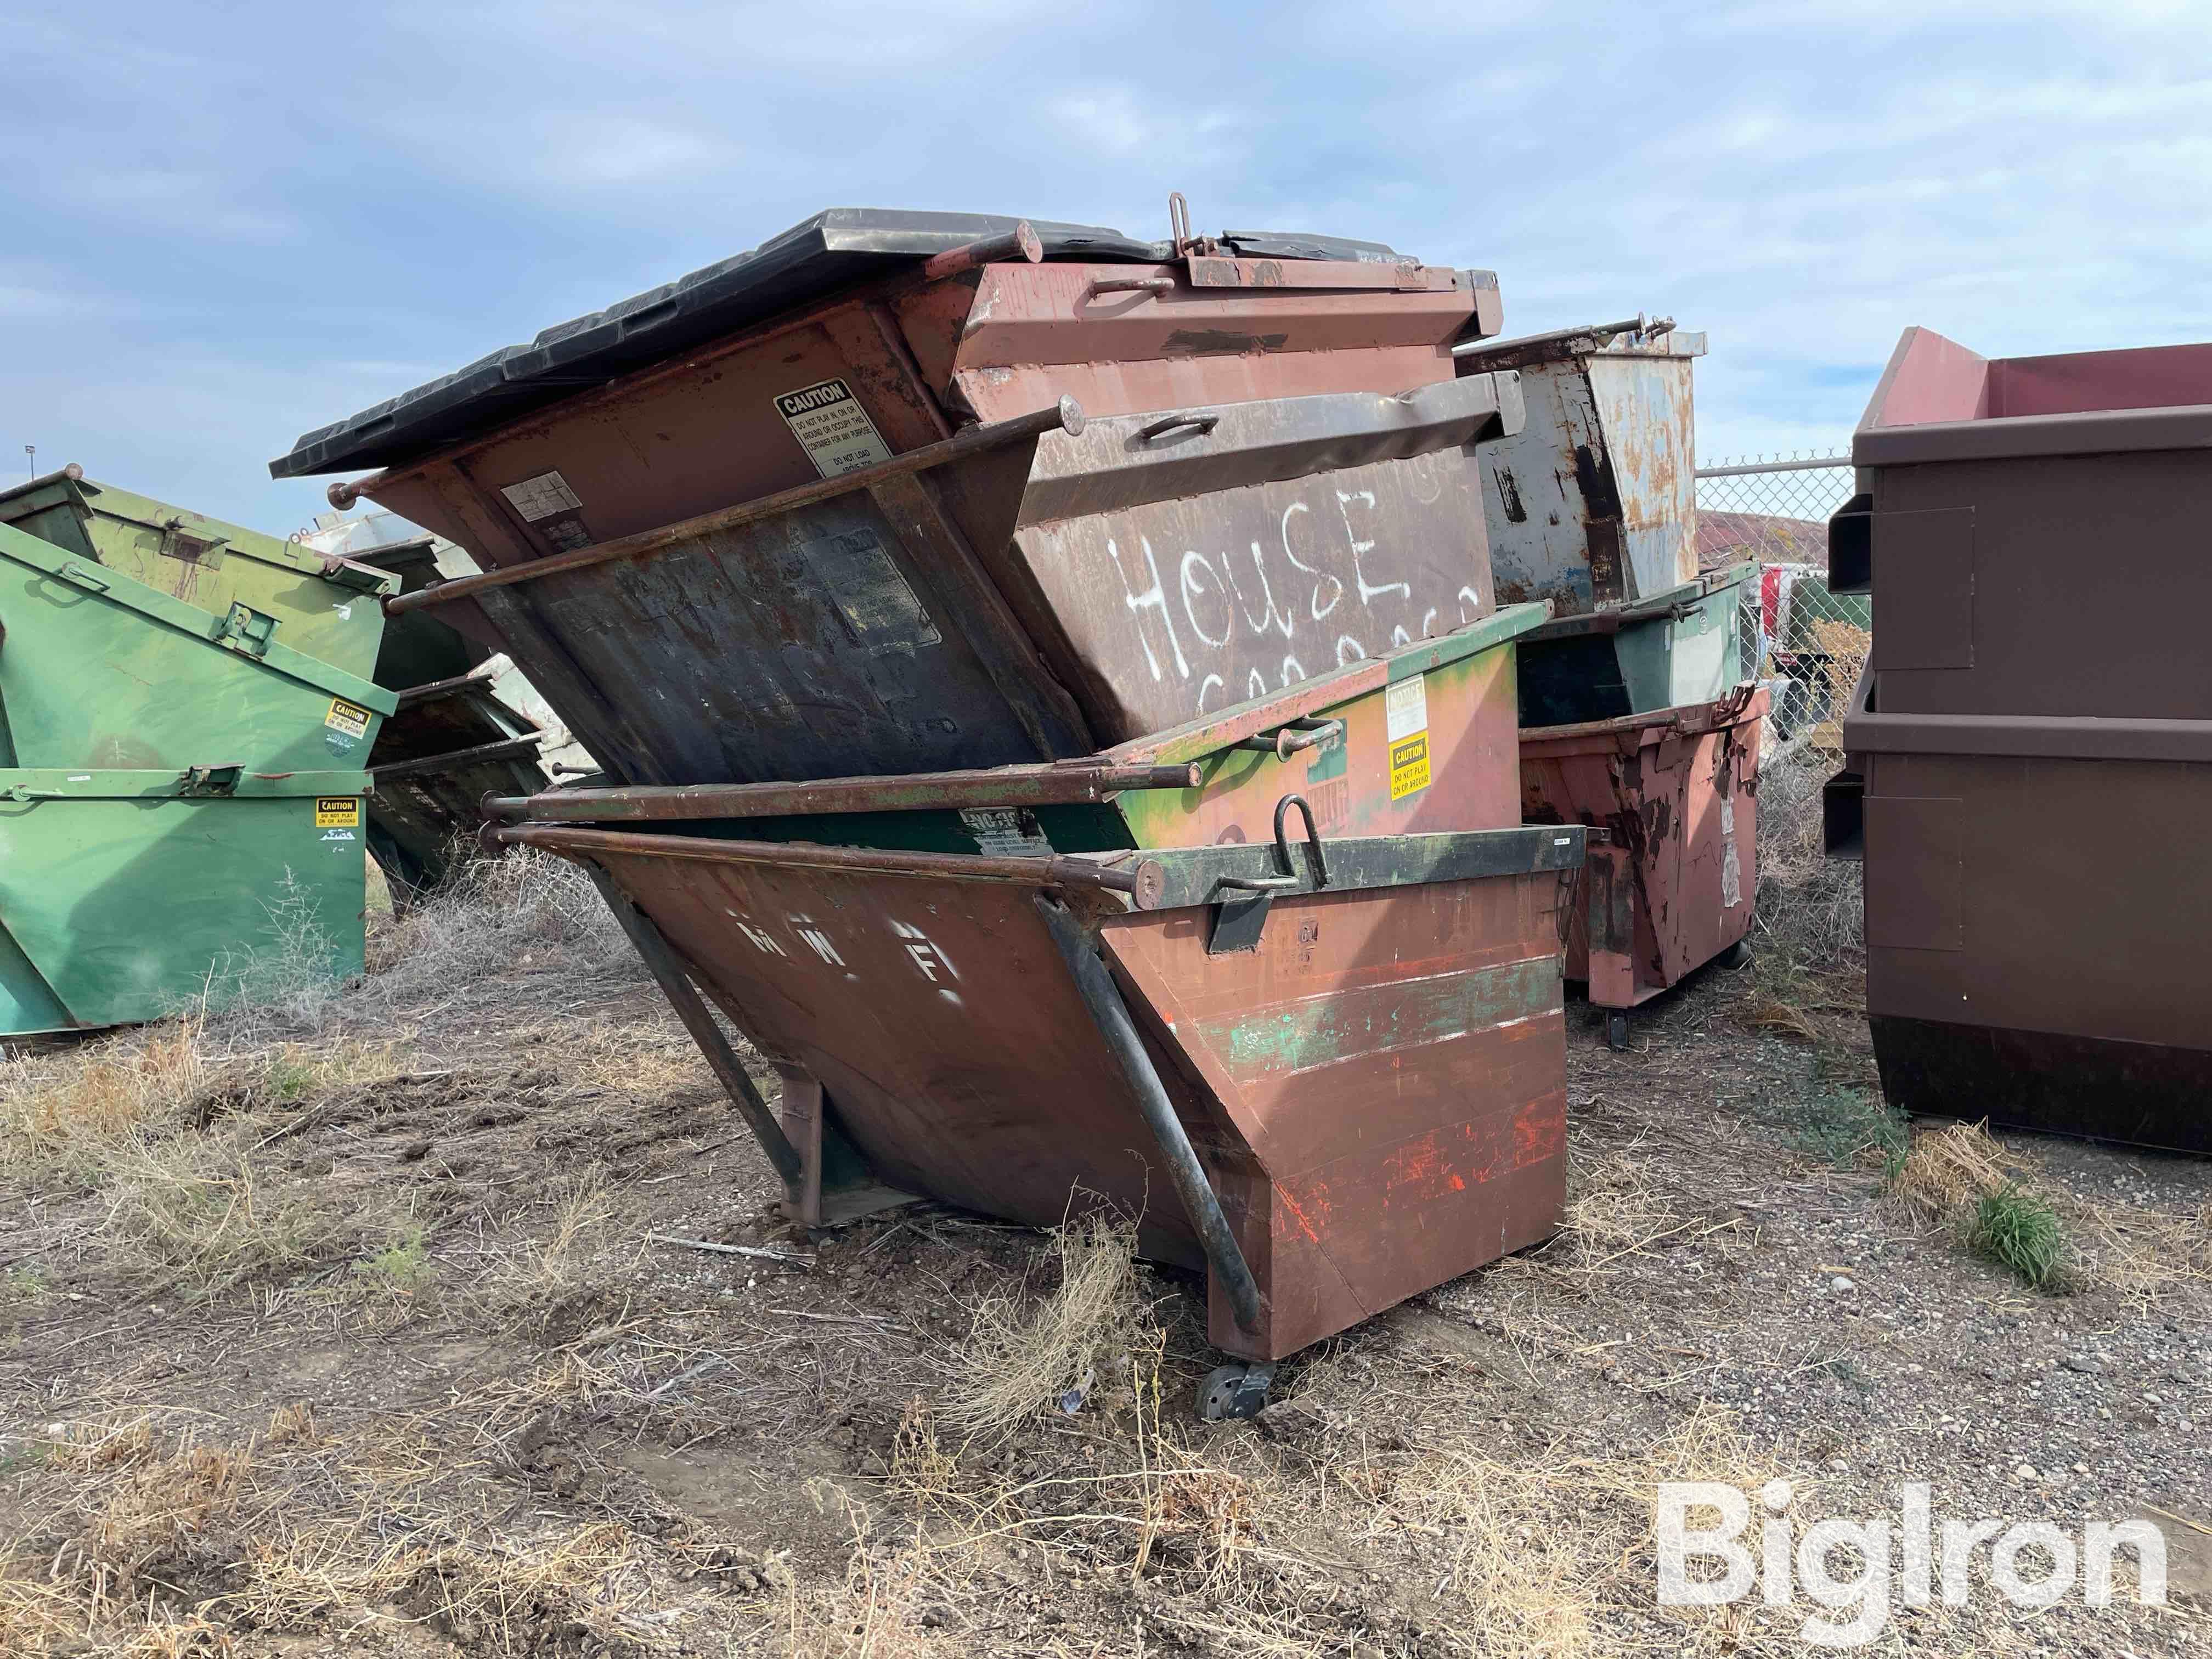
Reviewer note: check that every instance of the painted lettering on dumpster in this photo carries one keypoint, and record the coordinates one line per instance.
(1248, 591)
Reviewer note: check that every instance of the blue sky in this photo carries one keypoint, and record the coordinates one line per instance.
(232, 222)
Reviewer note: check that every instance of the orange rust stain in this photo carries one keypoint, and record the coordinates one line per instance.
(1318, 1196)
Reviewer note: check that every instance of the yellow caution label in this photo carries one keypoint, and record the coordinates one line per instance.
(349, 718)
(1409, 765)
(338, 812)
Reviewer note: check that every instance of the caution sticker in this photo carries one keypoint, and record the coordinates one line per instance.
(350, 718)
(833, 430)
(338, 812)
(1406, 715)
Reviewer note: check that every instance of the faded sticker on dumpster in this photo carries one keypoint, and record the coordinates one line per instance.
(1405, 718)
(833, 428)
(337, 812)
(346, 721)
(552, 509)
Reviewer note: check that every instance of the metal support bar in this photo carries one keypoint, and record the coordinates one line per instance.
(1066, 416)
(1140, 880)
(1200, 1200)
(1020, 243)
(675, 981)
(453, 760)
(1058, 785)
(1563, 338)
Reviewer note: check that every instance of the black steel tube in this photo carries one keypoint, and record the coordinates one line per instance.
(1199, 1201)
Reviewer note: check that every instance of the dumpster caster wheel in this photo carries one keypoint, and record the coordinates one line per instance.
(1738, 955)
(1616, 1031)
(1234, 1391)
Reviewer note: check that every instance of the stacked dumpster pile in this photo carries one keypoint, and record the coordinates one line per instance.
(452, 740)
(2028, 755)
(1636, 710)
(184, 711)
(1058, 708)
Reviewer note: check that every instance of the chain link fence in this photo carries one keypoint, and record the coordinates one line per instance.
(1808, 644)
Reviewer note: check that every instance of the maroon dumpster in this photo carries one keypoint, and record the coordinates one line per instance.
(1670, 888)
(2025, 963)
(1060, 714)
(833, 508)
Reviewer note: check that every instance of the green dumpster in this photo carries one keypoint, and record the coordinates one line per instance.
(1682, 647)
(184, 718)
(321, 607)
(124, 895)
(98, 669)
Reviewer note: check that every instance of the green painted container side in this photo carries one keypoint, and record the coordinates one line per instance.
(1686, 646)
(211, 565)
(1377, 1018)
(1695, 657)
(98, 669)
(121, 899)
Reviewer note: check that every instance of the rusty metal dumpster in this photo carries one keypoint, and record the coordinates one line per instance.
(1421, 740)
(783, 543)
(2025, 962)
(1594, 502)
(1672, 886)
(1365, 1100)
(1359, 1034)
(451, 741)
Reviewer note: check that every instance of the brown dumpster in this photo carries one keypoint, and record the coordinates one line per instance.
(1671, 886)
(2025, 963)
(849, 518)
(1373, 1090)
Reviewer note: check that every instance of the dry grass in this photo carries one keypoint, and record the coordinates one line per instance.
(1808, 903)
(1946, 1171)
(1024, 1354)
(207, 1213)
(1552, 1556)
(69, 1109)
(526, 912)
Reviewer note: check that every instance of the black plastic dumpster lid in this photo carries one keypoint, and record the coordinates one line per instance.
(835, 247)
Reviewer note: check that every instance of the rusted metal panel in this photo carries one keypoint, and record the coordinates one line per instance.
(1678, 791)
(1203, 557)
(1595, 502)
(840, 629)
(1392, 1078)
(1376, 1092)
(1345, 742)
(1031, 334)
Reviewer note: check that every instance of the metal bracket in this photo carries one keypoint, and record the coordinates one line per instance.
(247, 629)
(1239, 922)
(1308, 732)
(209, 779)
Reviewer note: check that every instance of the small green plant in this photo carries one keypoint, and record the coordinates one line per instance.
(21, 1285)
(1844, 1125)
(404, 1265)
(2017, 1229)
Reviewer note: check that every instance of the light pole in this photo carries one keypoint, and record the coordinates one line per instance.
(32, 450)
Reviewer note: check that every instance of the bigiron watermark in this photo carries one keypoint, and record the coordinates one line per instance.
(1857, 1572)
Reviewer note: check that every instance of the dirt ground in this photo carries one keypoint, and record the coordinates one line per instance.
(364, 1326)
